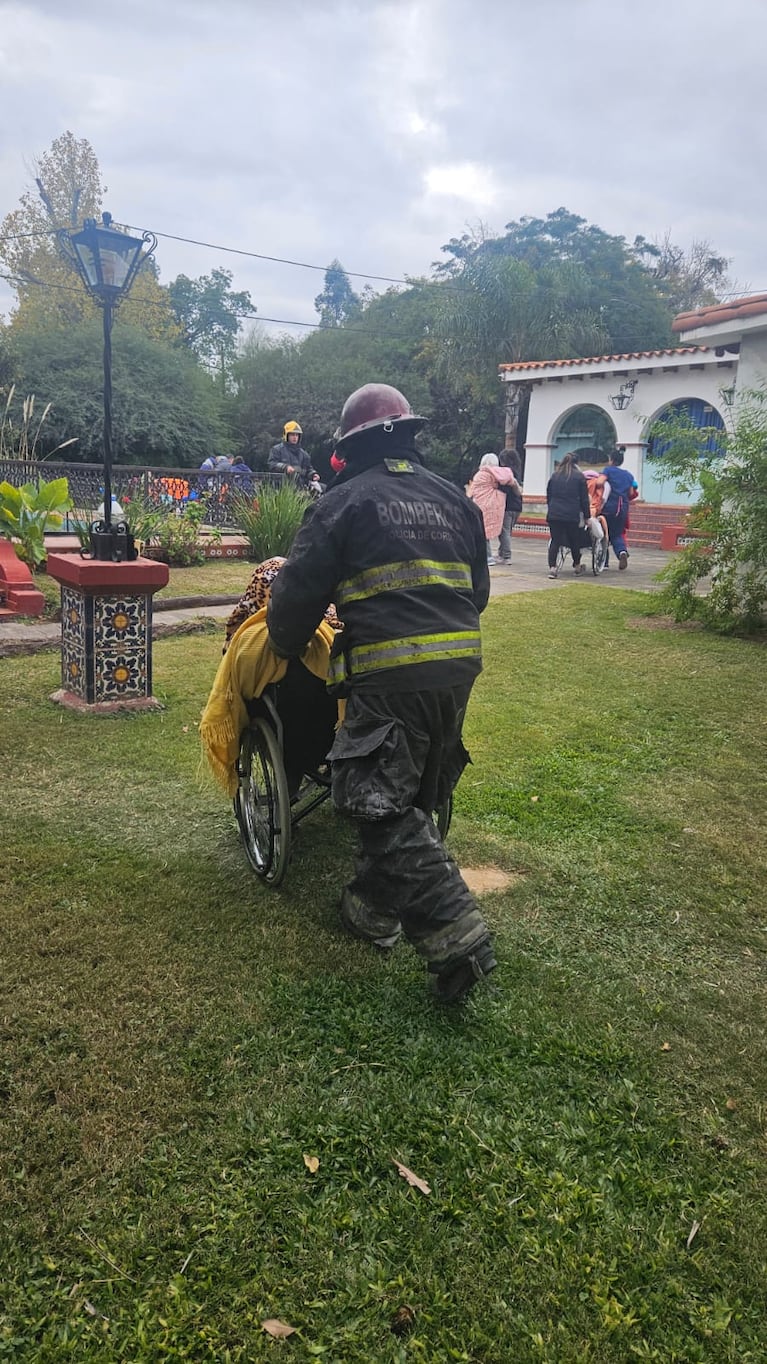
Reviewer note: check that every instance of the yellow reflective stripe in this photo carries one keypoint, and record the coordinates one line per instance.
(400, 653)
(403, 574)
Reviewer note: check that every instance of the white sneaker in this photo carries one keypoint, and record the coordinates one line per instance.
(491, 563)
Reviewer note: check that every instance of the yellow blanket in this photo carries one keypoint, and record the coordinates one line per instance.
(247, 667)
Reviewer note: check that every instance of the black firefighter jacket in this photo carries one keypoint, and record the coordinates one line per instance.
(402, 554)
(283, 456)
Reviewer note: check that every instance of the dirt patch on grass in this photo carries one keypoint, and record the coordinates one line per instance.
(662, 623)
(481, 880)
(668, 623)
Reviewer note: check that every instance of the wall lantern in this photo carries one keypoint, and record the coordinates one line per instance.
(624, 396)
(727, 395)
(107, 262)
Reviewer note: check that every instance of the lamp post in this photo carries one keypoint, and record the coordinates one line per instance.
(107, 262)
(106, 598)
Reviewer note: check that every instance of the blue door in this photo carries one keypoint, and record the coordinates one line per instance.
(656, 484)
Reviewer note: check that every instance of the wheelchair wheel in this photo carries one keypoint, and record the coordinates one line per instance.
(562, 554)
(443, 817)
(262, 803)
(599, 552)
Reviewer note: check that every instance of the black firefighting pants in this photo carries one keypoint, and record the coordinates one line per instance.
(396, 759)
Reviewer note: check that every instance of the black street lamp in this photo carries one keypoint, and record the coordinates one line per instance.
(107, 262)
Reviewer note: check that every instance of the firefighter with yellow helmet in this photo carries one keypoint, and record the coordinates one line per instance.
(289, 457)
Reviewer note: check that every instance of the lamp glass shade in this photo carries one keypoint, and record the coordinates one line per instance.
(107, 258)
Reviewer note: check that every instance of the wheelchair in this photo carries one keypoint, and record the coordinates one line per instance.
(283, 772)
(599, 549)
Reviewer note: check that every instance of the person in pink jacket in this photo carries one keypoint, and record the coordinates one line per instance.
(487, 489)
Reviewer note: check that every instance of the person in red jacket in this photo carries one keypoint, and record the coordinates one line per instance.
(402, 554)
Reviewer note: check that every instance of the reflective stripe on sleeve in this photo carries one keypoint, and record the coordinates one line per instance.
(403, 574)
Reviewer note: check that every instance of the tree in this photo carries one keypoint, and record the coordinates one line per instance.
(67, 189)
(209, 314)
(338, 302)
(615, 283)
(166, 408)
(686, 277)
(393, 340)
(501, 310)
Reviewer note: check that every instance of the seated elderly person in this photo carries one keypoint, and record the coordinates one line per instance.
(249, 665)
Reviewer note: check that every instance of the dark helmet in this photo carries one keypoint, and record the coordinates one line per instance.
(374, 405)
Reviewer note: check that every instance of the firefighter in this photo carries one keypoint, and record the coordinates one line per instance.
(402, 553)
(289, 457)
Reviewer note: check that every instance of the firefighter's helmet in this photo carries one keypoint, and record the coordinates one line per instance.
(291, 429)
(375, 405)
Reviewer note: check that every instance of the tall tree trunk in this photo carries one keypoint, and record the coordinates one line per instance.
(512, 407)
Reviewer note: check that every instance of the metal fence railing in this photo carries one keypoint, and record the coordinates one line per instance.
(168, 487)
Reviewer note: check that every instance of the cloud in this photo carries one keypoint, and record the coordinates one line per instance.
(466, 181)
(375, 130)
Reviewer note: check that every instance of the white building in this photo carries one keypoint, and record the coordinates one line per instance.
(739, 325)
(610, 400)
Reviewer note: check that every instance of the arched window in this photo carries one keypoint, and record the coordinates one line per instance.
(657, 486)
(586, 429)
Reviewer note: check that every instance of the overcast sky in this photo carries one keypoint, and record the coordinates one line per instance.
(375, 130)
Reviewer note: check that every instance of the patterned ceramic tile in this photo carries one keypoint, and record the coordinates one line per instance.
(119, 622)
(120, 675)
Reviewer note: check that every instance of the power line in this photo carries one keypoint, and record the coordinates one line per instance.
(297, 264)
(168, 308)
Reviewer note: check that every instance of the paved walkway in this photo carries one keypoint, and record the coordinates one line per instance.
(526, 573)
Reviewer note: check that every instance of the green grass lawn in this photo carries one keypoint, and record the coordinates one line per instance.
(176, 1039)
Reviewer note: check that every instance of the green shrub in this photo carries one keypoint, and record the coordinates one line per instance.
(730, 517)
(176, 538)
(27, 512)
(270, 521)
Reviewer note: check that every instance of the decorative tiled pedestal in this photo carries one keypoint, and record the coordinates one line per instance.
(106, 632)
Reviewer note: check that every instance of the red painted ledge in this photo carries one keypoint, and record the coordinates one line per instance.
(138, 576)
(17, 589)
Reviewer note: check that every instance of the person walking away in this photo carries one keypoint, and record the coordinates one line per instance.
(402, 554)
(567, 500)
(487, 490)
(289, 458)
(510, 459)
(623, 490)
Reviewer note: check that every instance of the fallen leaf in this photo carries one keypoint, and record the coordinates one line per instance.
(94, 1311)
(184, 729)
(279, 1329)
(312, 1163)
(403, 1320)
(666, 1046)
(731, 1104)
(412, 1179)
(694, 1229)
(533, 799)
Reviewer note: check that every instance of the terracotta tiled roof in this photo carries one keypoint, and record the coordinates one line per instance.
(605, 359)
(750, 306)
